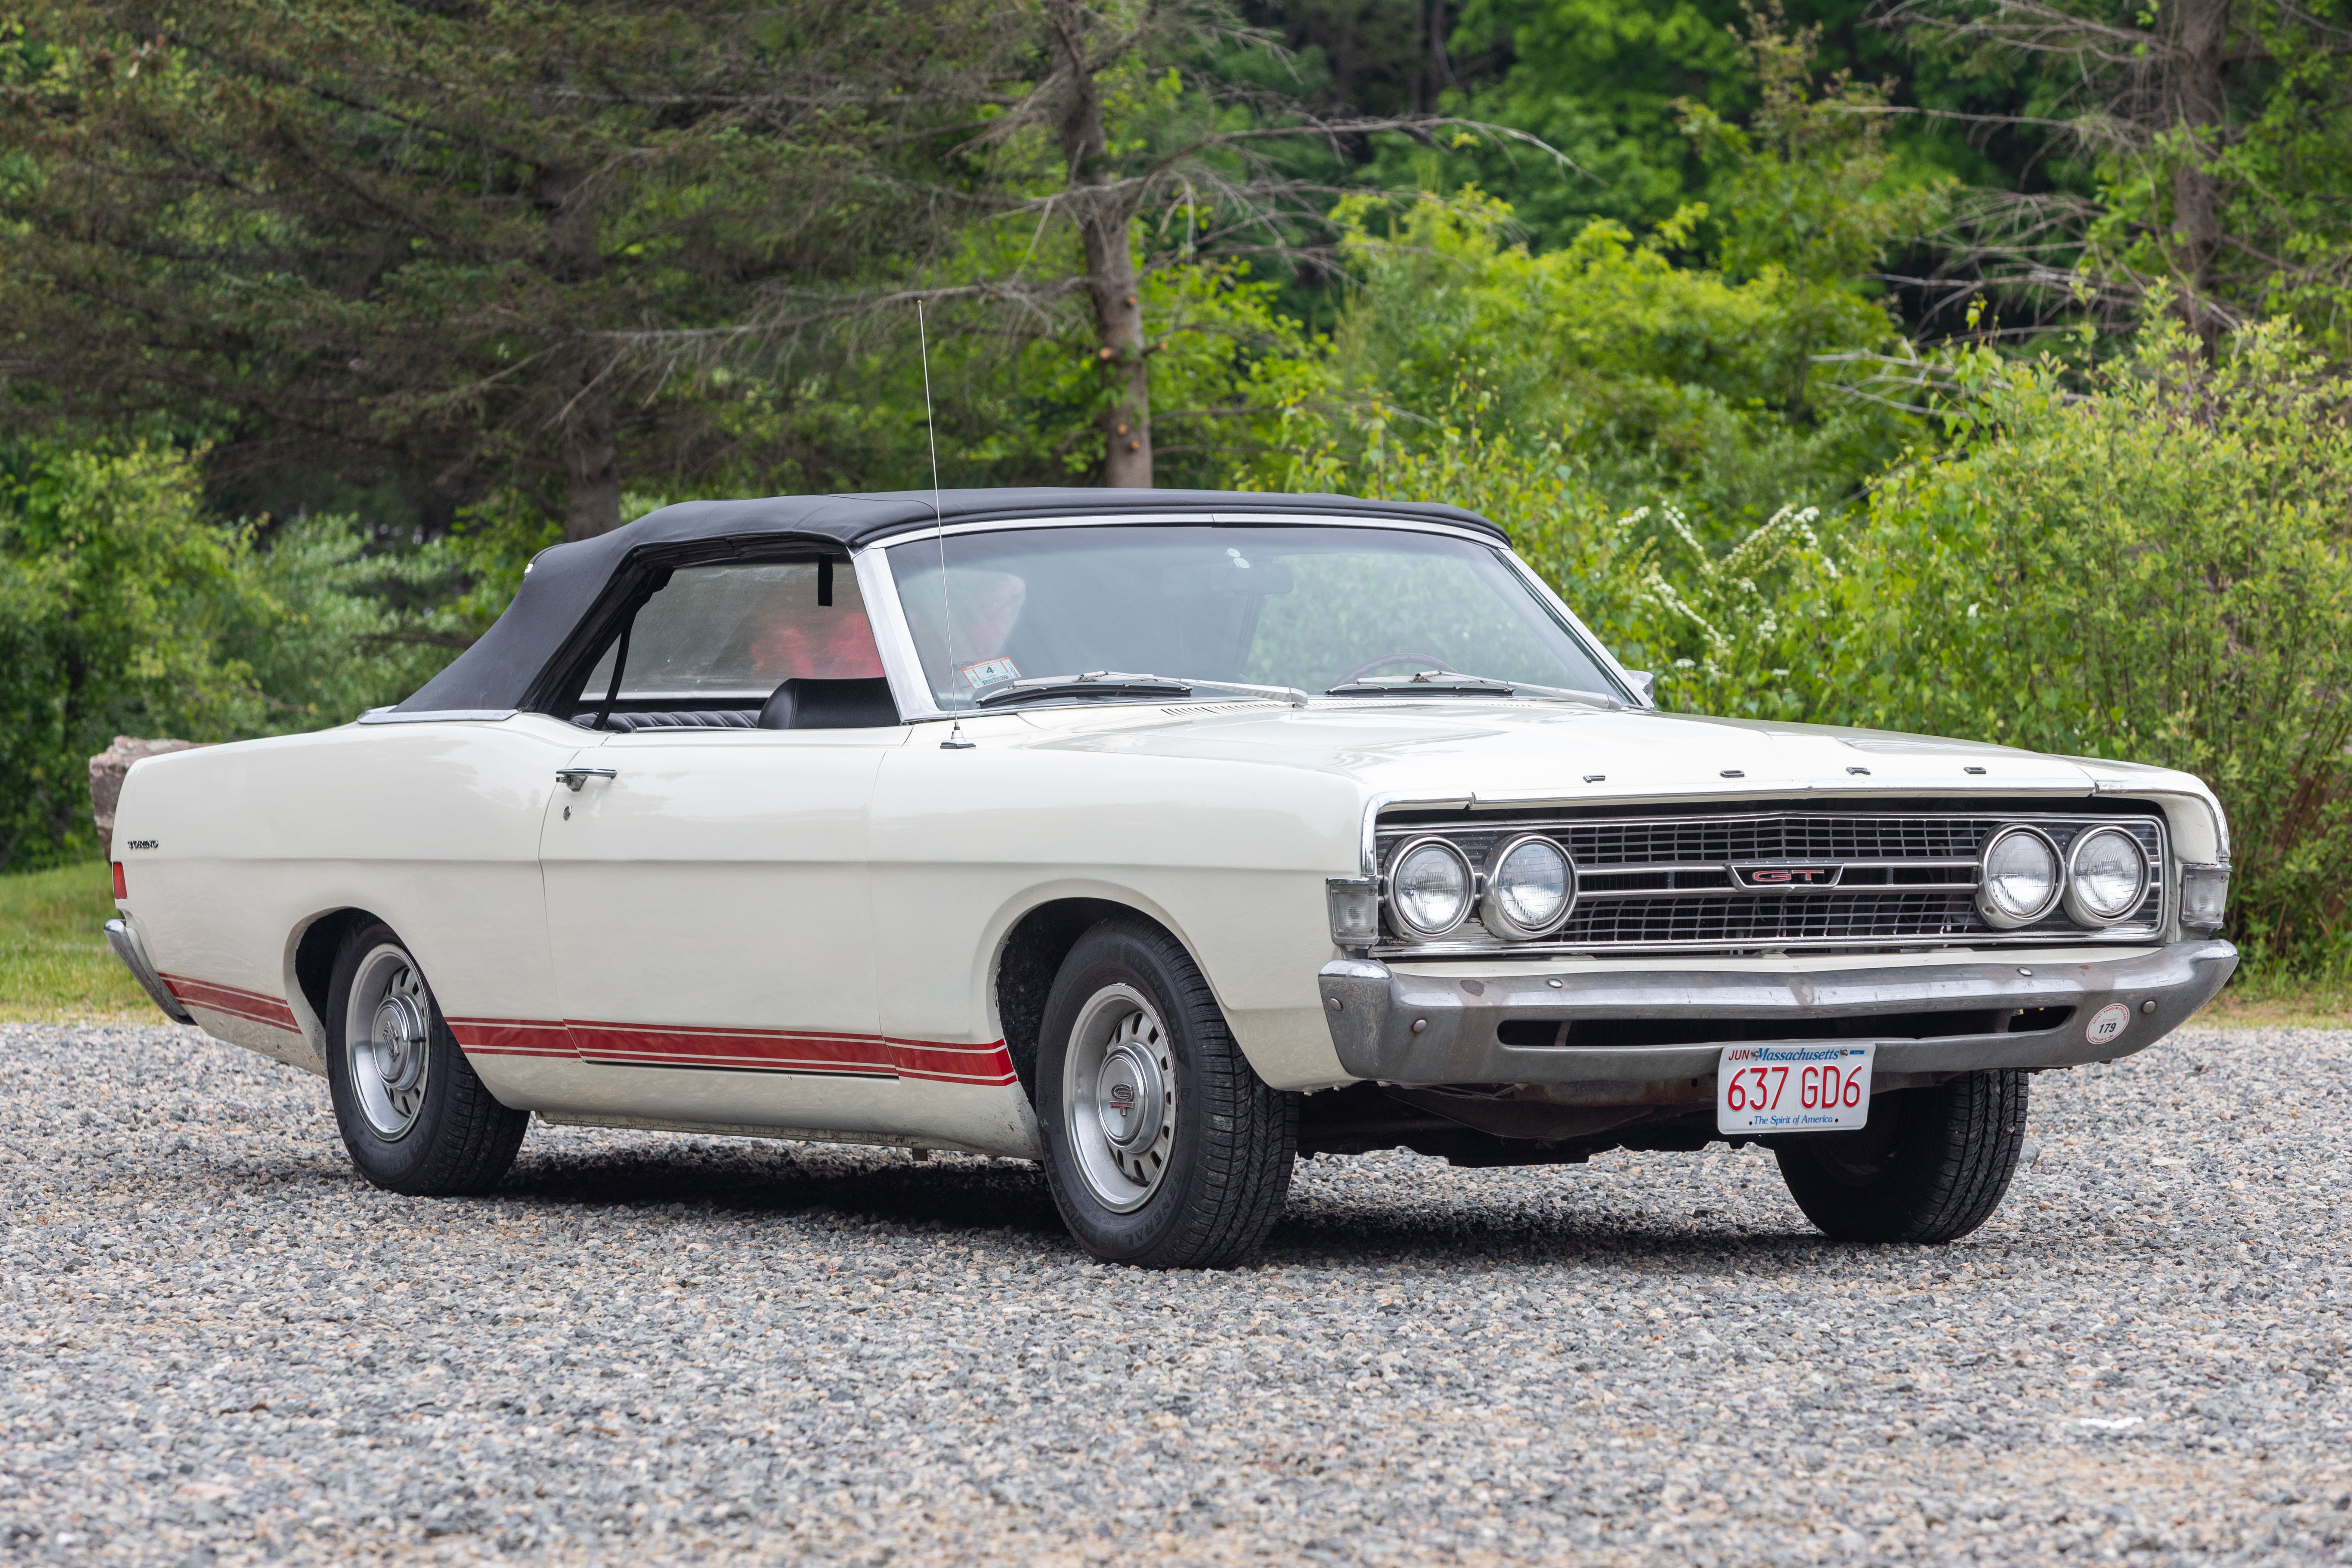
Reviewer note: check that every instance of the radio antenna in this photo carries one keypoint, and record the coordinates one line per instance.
(955, 740)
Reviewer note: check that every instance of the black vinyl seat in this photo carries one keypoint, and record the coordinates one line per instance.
(797, 704)
(687, 719)
(808, 704)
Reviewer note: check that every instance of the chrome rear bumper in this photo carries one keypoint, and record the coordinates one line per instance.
(1429, 1027)
(128, 948)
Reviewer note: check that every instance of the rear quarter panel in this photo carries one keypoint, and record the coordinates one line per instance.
(432, 827)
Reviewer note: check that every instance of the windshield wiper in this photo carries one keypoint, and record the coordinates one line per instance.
(1426, 681)
(1111, 682)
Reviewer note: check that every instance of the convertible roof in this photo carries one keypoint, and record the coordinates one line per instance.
(565, 582)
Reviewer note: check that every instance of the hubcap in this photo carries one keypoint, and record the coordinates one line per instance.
(1118, 1098)
(387, 1041)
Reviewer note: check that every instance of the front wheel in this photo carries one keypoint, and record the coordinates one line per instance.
(1930, 1166)
(413, 1115)
(1163, 1147)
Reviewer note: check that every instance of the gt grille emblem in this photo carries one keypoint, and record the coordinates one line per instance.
(1785, 879)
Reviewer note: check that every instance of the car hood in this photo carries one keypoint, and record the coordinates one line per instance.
(1492, 751)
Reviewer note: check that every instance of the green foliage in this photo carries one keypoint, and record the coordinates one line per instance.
(2249, 217)
(1719, 630)
(112, 602)
(2160, 572)
(124, 609)
(1654, 378)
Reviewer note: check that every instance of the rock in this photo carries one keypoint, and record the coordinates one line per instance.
(108, 768)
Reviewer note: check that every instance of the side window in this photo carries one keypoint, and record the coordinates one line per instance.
(733, 633)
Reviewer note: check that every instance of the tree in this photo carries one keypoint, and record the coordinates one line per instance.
(1103, 116)
(2216, 131)
(357, 231)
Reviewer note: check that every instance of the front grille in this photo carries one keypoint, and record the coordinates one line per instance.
(1674, 881)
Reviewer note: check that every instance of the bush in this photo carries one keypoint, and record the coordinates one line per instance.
(2157, 572)
(1721, 629)
(124, 609)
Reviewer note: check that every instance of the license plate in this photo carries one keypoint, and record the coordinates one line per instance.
(1792, 1088)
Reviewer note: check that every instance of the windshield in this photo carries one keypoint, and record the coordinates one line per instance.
(1312, 607)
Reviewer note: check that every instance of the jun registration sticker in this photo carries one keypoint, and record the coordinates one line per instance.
(1792, 1088)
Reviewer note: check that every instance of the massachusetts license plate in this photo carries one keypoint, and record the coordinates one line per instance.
(1792, 1088)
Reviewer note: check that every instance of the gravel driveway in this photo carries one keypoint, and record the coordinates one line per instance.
(216, 1344)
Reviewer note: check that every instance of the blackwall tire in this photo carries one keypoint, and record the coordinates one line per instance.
(1163, 1147)
(413, 1114)
(1931, 1166)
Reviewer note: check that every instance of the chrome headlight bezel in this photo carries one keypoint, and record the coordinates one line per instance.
(1994, 915)
(2079, 909)
(1497, 918)
(1408, 927)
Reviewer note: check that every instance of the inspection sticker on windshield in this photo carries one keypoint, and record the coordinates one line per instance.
(989, 671)
(1792, 1088)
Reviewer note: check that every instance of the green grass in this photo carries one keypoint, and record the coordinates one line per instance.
(55, 965)
(2259, 1000)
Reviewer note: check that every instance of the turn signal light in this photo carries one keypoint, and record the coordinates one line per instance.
(119, 890)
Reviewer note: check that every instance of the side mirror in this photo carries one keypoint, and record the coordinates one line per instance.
(1646, 685)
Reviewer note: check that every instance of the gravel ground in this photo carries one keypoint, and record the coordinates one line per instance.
(217, 1345)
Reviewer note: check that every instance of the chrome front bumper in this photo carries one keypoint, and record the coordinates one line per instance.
(1429, 1027)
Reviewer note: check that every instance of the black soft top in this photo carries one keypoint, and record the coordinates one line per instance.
(569, 581)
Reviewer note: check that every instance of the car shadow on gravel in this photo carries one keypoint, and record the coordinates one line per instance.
(954, 1195)
(1460, 1234)
(1011, 1195)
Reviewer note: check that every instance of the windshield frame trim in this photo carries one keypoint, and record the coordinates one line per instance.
(894, 638)
(1631, 692)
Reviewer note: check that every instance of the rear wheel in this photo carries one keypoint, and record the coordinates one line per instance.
(1162, 1145)
(1931, 1166)
(413, 1115)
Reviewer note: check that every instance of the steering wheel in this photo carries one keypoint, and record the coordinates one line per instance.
(1420, 661)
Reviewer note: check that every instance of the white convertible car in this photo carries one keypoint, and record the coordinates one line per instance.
(1161, 838)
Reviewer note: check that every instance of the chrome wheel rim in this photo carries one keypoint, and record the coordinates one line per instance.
(1118, 1098)
(387, 1041)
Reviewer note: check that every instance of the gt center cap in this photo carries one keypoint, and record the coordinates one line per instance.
(399, 1040)
(1132, 1098)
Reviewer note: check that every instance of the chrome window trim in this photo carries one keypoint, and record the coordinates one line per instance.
(1632, 689)
(438, 716)
(1188, 519)
(894, 640)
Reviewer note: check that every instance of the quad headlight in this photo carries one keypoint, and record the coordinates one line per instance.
(1428, 888)
(2017, 882)
(2106, 877)
(1530, 888)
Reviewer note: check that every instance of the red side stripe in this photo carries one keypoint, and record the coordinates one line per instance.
(512, 1038)
(760, 1050)
(251, 1006)
(641, 1045)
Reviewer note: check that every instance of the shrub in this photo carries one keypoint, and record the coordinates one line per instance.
(124, 609)
(2157, 572)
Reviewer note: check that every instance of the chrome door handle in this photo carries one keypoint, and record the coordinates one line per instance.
(575, 777)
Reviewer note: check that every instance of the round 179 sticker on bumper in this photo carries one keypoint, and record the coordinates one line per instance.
(1792, 1088)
